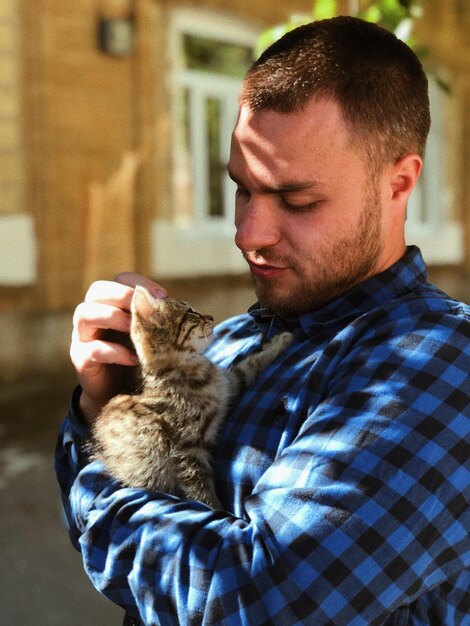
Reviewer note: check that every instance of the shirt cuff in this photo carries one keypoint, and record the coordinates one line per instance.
(79, 428)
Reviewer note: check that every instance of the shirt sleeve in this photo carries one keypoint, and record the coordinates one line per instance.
(70, 457)
(366, 510)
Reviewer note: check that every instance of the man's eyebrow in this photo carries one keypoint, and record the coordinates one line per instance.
(284, 187)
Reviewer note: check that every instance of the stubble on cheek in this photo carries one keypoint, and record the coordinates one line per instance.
(313, 282)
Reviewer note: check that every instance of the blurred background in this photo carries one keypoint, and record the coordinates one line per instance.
(115, 123)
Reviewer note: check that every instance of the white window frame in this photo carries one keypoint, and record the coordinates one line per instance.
(201, 87)
(430, 223)
(192, 243)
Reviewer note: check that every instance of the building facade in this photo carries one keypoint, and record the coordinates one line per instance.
(115, 119)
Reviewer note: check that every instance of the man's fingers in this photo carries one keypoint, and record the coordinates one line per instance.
(131, 279)
(119, 293)
(86, 356)
(91, 317)
(111, 293)
(100, 339)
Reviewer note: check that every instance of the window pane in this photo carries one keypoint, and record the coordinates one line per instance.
(182, 165)
(213, 112)
(209, 55)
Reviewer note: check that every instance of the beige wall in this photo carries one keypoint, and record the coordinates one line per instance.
(11, 153)
(17, 267)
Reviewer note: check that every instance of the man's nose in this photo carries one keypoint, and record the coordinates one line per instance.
(257, 225)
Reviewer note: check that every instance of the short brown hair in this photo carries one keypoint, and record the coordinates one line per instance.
(376, 79)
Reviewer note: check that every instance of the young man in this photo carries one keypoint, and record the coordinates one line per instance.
(344, 470)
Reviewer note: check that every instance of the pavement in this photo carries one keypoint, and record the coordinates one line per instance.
(41, 577)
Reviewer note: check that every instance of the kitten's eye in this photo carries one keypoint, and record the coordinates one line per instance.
(188, 308)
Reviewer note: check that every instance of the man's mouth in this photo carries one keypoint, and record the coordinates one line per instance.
(264, 269)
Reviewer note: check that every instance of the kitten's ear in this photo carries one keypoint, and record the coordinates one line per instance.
(144, 304)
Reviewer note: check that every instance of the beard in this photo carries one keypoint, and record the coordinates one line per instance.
(348, 261)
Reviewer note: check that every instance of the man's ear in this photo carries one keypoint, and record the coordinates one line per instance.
(404, 175)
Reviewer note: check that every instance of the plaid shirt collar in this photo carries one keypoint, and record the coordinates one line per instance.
(396, 281)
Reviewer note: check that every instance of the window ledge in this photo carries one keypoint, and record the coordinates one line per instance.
(444, 246)
(18, 250)
(190, 250)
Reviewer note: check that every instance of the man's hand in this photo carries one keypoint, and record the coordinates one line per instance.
(102, 362)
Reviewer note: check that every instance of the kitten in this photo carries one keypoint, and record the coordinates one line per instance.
(160, 438)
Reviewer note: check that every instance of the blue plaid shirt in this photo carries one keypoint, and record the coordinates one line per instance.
(344, 471)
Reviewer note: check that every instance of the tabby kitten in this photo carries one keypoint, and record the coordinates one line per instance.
(160, 438)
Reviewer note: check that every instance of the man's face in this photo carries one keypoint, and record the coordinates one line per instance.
(308, 215)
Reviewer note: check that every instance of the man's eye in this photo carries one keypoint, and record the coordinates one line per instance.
(300, 208)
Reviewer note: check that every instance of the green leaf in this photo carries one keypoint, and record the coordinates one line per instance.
(271, 35)
(403, 30)
(372, 14)
(324, 9)
(395, 15)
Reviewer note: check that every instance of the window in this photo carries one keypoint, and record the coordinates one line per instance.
(206, 93)
(432, 223)
(211, 54)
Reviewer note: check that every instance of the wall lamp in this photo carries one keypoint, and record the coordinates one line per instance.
(116, 35)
